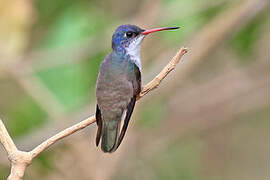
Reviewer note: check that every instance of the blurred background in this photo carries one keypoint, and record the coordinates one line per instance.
(209, 119)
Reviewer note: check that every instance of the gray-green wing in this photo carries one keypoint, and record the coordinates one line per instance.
(137, 89)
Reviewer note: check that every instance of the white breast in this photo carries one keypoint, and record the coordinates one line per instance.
(134, 51)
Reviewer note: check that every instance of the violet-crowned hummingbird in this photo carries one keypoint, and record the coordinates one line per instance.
(118, 84)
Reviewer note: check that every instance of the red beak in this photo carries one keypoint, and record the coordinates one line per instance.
(158, 29)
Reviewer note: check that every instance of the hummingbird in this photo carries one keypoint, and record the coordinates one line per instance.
(118, 84)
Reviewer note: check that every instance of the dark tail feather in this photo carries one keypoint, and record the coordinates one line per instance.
(109, 136)
(111, 139)
(126, 122)
(99, 124)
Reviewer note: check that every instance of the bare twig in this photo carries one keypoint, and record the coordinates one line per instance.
(46, 144)
(6, 140)
(21, 159)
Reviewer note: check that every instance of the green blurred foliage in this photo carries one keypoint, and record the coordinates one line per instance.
(73, 84)
(4, 172)
(50, 9)
(151, 115)
(45, 162)
(64, 23)
(177, 161)
(67, 24)
(24, 117)
(73, 26)
(192, 19)
(244, 41)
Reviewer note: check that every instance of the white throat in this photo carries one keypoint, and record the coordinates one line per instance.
(134, 51)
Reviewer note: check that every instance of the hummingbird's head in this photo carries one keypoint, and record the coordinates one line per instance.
(127, 38)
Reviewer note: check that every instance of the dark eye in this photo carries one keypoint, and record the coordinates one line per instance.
(129, 34)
